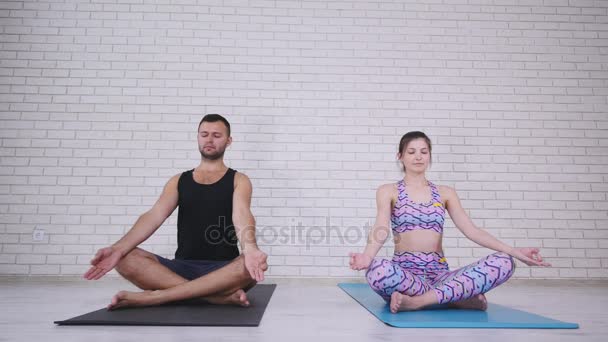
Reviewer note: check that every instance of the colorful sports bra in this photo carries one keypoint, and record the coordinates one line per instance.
(408, 215)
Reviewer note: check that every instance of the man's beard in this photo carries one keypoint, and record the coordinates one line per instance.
(217, 154)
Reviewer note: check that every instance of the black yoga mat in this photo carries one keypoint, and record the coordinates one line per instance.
(184, 314)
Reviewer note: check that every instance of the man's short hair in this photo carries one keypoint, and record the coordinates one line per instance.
(215, 118)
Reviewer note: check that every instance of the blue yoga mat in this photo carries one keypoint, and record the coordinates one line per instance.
(497, 316)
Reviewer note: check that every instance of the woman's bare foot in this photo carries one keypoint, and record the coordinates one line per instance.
(239, 297)
(478, 302)
(129, 299)
(401, 302)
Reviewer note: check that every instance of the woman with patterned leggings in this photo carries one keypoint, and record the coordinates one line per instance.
(418, 274)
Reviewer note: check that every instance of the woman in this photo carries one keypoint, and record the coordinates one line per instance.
(418, 274)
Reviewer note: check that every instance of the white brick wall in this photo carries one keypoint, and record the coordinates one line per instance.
(99, 104)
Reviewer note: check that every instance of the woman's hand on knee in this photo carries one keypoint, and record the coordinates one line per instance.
(360, 261)
(530, 256)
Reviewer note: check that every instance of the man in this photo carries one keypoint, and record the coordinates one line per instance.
(214, 211)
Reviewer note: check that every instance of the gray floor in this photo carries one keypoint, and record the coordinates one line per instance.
(300, 310)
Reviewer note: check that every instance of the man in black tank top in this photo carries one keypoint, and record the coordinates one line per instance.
(213, 216)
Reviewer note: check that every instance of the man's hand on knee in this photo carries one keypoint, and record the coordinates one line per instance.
(104, 261)
(256, 263)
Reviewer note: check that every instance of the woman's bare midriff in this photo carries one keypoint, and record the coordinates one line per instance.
(426, 241)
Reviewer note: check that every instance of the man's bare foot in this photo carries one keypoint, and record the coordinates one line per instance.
(401, 302)
(478, 302)
(239, 297)
(129, 299)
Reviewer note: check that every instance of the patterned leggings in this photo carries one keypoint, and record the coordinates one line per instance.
(414, 273)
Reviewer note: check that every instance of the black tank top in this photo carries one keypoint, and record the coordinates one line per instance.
(204, 220)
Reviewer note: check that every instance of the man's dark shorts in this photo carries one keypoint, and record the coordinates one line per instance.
(192, 269)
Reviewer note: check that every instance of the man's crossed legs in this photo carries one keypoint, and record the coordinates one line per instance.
(166, 280)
